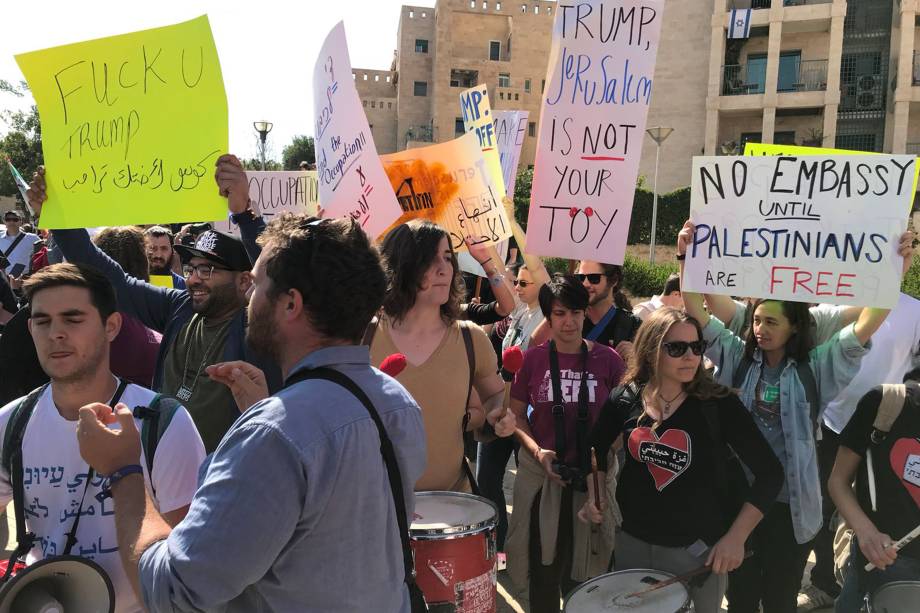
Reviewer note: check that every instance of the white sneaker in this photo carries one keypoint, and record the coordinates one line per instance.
(811, 598)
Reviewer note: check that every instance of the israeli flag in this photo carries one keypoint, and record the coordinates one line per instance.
(740, 26)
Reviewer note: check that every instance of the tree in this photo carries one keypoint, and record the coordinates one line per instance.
(300, 150)
(522, 186)
(22, 142)
(256, 164)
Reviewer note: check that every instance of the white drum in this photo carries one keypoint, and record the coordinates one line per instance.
(609, 593)
(895, 597)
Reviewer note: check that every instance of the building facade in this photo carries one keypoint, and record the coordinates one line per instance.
(833, 73)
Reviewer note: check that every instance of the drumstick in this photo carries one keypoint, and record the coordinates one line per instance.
(478, 286)
(680, 578)
(900, 544)
(597, 488)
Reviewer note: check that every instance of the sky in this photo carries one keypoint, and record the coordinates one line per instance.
(267, 48)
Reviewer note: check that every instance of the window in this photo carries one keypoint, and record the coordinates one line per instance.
(542, 85)
(420, 88)
(424, 14)
(501, 95)
(495, 50)
(411, 14)
(749, 137)
(527, 86)
(498, 6)
(463, 78)
(532, 128)
(789, 64)
(472, 4)
(373, 104)
(388, 78)
(517, 96)
(365, 76)
(389, 105)
(784, 138)
(376, 77)
(421, 45)
(536, 10)
(485, 5)
(459, 128)
(504, 79)
(756, 73)
(549, 10)
(364, 102)
(523, 8)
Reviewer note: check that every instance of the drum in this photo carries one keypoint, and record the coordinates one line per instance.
(609, 593)
(896, 597)
(453, 539)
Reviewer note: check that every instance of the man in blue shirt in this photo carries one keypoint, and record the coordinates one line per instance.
(295, 512)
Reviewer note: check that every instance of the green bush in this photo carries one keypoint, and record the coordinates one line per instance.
(644, 279)
(911, 284)
(556, 265)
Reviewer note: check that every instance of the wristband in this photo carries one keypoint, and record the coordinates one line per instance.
(681, 257)
(248, 215)
(115, 477)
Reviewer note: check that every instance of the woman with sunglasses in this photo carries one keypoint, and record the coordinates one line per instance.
(678, 514)
(784, 381)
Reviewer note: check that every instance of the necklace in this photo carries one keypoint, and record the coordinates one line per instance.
(668, 403)
(185, 391)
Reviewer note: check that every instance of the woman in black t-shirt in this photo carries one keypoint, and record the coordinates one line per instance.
(674, 493)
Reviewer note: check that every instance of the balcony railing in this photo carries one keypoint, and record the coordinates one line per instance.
(748, 4)
(913, 148)
(420, 134)
(810, 76)
(916, 72)
(803, 2)
(734, 83)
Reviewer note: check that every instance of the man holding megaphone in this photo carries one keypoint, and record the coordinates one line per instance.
(63, 513)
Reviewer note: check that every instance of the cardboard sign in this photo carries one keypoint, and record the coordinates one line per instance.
(478, 118)
(764, 149)
(598, 89)
(810, 228)
(131, 127)
(510, 132)
(275, 192)
(351, 180)
(449, 184)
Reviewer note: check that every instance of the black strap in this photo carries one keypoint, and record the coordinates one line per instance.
(14, 244)
(471, 365)
(582, 454)
(389, 459)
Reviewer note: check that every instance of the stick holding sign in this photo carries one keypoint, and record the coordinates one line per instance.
(351, 179)
(808, 229)
(598, 89)
(131, 127)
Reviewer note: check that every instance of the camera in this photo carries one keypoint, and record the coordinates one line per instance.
(571, 475)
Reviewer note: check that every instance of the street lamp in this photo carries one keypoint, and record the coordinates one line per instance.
(263, 128)
(658, 135)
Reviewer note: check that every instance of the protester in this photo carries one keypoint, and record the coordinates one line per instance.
(73, 319)
(496, 310)
(202, 325)
(885, 507)
(295, 512)
(783, 380)
(8, 303)
(134, 351)
(668, 396)
(15, 244)
(566, 381)
(160, 254)
(670, 296)
(608, 318)
(493, 456)
(446, 358)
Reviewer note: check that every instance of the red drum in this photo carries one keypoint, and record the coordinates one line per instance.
(453, 541)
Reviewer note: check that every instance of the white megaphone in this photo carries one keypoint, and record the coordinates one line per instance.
(63, 584)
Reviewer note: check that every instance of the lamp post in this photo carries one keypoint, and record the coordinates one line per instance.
(263, 128)
(658, 135)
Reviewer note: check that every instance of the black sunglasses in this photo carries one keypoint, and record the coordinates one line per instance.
(593, 278)
(522, 283)
(677, 349)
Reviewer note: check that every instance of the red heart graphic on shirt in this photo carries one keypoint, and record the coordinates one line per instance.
(905, 462)
(666, 457)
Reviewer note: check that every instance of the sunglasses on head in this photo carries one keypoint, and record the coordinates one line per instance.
(677, 349)
(593, 278)
(523, 284)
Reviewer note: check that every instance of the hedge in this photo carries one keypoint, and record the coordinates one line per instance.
(911, 284)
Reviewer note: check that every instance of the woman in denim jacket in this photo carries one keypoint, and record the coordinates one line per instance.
(779, 339)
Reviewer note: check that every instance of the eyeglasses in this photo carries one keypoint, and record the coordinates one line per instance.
(593, 278)
(204, 271)
(522, 284)
(11, 220)
(678, 349)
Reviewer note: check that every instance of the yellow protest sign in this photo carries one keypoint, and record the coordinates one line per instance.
(796, 150)
(162, 281)
(131, 127)
(478, 118)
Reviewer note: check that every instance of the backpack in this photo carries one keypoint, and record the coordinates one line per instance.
(889, 409)
(155, 419)
(806, 377)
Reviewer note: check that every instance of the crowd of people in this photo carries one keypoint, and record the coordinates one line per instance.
(688, 431)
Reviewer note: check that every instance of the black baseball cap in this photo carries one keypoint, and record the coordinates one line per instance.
(12, 213)
(219, 248)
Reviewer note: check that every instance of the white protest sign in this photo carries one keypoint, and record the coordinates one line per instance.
(274, 192)
(598, 89)
(510, 131)
(351, 179)
(810, 228)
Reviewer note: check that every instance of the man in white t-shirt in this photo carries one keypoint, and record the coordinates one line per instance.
(73, 320)
(18, 251)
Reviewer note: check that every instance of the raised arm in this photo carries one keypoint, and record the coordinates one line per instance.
(487, 257)
(234, 186)
(693, 302)
(534, 264)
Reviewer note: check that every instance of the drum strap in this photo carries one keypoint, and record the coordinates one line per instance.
(582, 454)
(389, 460)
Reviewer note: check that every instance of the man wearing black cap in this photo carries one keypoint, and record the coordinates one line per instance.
(201, 325)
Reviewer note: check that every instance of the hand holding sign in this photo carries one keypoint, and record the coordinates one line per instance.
(36, 192)
(232, 182)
